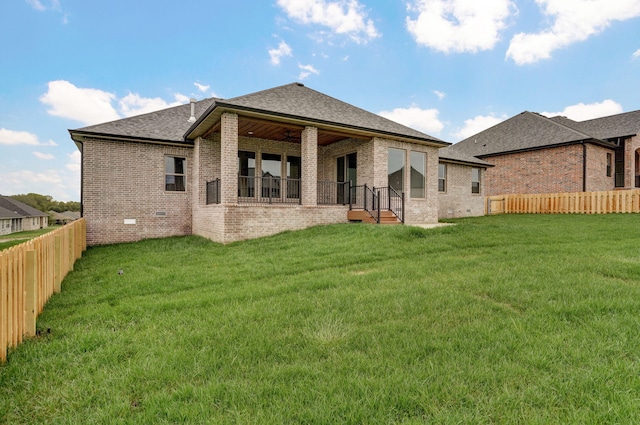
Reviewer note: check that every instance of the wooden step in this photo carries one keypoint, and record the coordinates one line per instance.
(386, 217)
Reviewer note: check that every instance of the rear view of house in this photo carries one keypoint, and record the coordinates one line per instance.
(280, 159)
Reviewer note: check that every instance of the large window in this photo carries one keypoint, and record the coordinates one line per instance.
(396, 169)
(246, 174)
(174, 174)
(418, 174)
(271, 173)
(442, 177)
(294, 174)
(475, 180)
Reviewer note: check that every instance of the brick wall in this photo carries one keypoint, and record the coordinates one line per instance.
(457, 200)
(597, 178)
(126, 181)
(541, 171)
(631, 168)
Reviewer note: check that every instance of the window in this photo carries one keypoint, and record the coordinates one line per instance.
(271, 173)
(442, 177)
(475, 180)
(619, 166)
(174, 170)
(609, 159)
(294, 175)
(395, 173)
(246, 174)
(418, 173)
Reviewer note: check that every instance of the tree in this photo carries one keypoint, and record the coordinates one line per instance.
(46, 203)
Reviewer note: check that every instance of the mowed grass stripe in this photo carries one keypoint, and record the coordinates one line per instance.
(504, 319)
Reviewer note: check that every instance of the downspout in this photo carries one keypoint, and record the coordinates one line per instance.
(81, 179)
(584, 167)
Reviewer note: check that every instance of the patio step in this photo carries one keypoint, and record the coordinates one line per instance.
(386, 217)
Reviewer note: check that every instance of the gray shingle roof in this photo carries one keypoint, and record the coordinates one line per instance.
(619, 125)
(5, 213)
(165, 125)
(19, 208)
(524, 131)
(300, 102)
(451, 154)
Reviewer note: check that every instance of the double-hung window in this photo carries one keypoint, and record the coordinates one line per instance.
(418, 173)
(475, 180)
(442, 177)
(174, 174)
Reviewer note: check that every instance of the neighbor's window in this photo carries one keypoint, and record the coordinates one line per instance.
(418, 173)
(442, 177)
(475, 180)
(174, 171)
(396, 169)
(609, 164)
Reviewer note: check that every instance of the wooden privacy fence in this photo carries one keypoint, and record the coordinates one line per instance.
(29, 274)
(614, 201)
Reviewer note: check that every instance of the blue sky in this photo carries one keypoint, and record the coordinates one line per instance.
(449, 68)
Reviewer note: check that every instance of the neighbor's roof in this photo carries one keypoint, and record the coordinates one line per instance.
(613, 126)
(452, 154)
(5, 213)
(296, 102)
(525, 131)
(165, 125)
(19, 208)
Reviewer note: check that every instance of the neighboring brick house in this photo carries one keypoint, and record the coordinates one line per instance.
(251, 166)
(461, 187)
(16, 216)
(535, 154)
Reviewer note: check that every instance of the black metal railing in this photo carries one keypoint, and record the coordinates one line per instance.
(213, 192)
(373, 200)
(268, 190)
(333, 193)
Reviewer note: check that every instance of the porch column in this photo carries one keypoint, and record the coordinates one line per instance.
(309, 152)
(229, 158)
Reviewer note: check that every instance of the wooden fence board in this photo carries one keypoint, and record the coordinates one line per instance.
(30, 273)
(607, 202)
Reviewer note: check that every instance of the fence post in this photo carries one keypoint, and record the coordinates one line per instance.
(57, 264)
(31, 294)
(4, 316)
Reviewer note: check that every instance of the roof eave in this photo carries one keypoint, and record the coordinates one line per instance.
(556, 145)
(79, 136)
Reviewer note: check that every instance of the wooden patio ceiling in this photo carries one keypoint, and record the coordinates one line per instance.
(282, 131)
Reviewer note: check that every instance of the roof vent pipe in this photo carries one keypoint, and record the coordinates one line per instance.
(192, 118)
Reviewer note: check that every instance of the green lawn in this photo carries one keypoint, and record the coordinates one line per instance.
(501, 320)
(7, 241)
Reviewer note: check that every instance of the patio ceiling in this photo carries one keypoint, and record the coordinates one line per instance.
(283, 131)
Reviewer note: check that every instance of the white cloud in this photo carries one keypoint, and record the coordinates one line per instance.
(477, 124)
(582, 112)
(573, 21)
(92, 106)
(458, 25)
(307, 70)
(89, 106)
(37, 5)
(425, 120)
(276, 54)
(75, 159)
(202, 87)
(44, 155)
(440, 94)
(636, 54)
(133, 104)
(342, 16)
(11, 137)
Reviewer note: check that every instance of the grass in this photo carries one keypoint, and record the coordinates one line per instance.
(7, 241)
(501, 320)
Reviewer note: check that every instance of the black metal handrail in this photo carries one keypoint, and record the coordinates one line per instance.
(213, 192)
(269, 190)
(392, 201)
(373, 200)
(334, 193)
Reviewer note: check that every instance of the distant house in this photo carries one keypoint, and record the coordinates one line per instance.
(535, 154)
(17, 217)
(64, 217)
(280, 159)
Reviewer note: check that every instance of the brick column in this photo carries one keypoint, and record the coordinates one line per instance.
(229, 159)
(309, 151)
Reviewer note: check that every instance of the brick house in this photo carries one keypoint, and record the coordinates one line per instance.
(285, 158)
(535, 154)
(16, 216)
